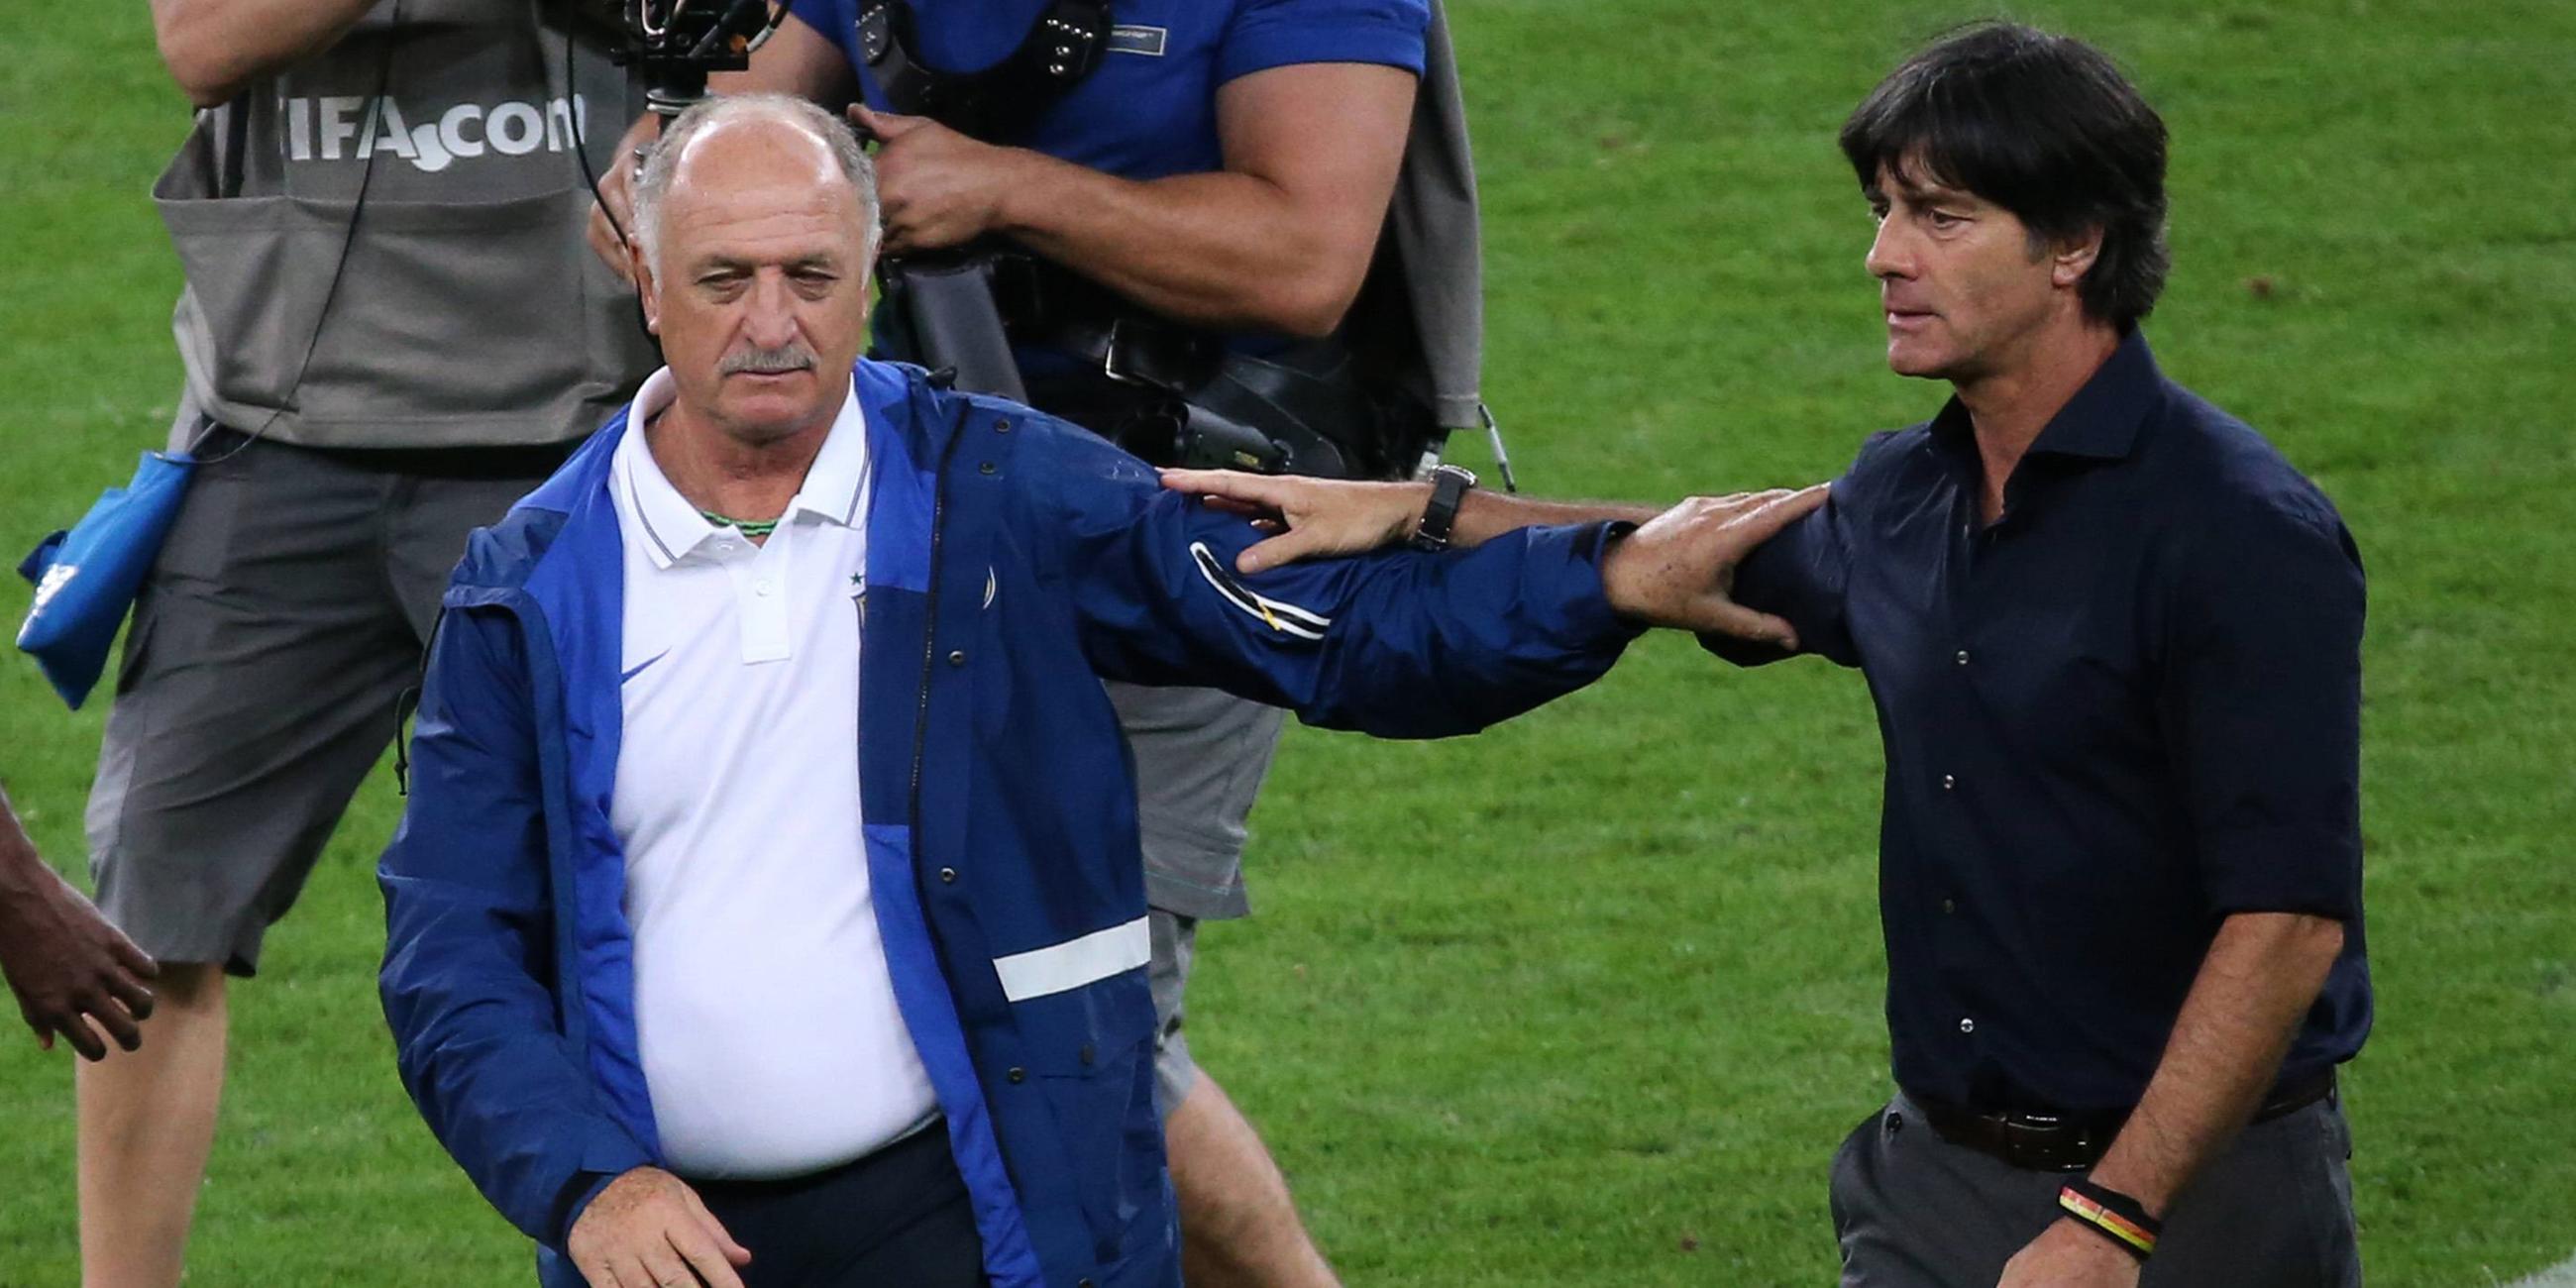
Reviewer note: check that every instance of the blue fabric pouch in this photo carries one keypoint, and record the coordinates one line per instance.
(86, 578)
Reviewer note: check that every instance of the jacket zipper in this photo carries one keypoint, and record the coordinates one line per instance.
(930, 627)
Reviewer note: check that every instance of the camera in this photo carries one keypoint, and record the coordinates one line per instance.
(675, 43)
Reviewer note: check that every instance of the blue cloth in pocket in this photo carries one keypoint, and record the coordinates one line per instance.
(87, 577)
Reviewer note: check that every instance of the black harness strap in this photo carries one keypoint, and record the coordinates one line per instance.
(998, 103)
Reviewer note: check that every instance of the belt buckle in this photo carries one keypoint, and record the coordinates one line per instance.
(2028, 1139)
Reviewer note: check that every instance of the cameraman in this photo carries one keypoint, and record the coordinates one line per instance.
(1202, 205)
(391, 330)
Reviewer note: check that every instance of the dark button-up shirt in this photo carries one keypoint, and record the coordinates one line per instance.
(2120, 713)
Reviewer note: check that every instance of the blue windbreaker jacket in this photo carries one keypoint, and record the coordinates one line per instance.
(1012, 560)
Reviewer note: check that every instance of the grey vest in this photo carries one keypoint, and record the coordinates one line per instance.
(1433, 225)
(383, 244)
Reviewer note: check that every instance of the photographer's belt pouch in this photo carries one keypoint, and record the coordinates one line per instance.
(87, 577)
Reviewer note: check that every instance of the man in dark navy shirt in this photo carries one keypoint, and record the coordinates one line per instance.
(2114, 641)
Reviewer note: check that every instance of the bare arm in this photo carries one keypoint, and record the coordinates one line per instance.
(2262, 973)
(1277, 240)
(215, 47)
(1314, 518)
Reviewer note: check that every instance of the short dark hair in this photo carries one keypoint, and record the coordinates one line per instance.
(2044, 126)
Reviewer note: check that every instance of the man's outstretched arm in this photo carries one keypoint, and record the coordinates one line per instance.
(1662, 577)
(1397, 644)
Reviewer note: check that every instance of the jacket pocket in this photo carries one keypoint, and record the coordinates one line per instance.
(1091, 1047)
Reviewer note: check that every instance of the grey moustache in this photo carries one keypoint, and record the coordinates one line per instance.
(768, 362)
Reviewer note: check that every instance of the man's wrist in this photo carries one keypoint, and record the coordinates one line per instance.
(1020, 178)
(2150, 1194)
(22, 870)
(1417, 500)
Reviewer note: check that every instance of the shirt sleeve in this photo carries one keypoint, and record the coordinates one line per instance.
(1800, 575)
(2261, 708)
(830, 19)
(1281, 33)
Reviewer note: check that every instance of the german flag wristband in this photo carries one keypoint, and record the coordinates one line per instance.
(2113, 1215)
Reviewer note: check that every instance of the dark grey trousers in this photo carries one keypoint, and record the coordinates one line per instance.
(1912, 1210)
(285, 614)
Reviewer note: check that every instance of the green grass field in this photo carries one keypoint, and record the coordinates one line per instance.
(1589, 1000)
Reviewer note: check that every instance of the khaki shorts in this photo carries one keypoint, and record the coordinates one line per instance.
(1201, 756)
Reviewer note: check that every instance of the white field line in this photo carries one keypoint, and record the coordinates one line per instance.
(2562, 1275)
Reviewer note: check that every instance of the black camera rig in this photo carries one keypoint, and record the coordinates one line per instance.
(673, 44)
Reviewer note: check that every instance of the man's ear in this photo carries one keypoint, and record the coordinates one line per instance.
(648, 291)
(2070, 260)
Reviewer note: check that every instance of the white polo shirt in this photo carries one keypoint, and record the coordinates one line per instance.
(765, 1014)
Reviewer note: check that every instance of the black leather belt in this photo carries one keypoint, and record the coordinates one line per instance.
(2044, 1142)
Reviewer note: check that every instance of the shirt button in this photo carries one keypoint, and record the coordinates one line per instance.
(762, 587)
(1949, 905)
(1967, 1025)
(1963, 657)
(957, 658)
(1018, 1074)
(948, 876)
(1949, 782)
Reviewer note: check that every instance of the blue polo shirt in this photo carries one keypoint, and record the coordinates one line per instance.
(1148, 110)
(2120, 713)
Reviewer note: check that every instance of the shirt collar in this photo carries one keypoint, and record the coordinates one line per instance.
(834, 489)
(2100, 422)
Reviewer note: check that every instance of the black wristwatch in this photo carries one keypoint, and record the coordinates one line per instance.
(1449, 484)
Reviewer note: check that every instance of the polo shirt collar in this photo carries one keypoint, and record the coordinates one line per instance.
(835, 484)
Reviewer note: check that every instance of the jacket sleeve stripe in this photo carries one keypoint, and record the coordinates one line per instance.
(1278, 615)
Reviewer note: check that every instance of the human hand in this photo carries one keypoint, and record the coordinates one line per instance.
(1312, 518)
(67, 966)
(648, 1229)
(2068, 1256)
(935, 187)
(1678, 569)
(617, 197)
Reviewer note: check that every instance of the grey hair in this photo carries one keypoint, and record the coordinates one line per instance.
(663, 161)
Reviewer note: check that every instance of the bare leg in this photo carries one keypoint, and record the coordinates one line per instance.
(147, 1121)
(1238, 1227)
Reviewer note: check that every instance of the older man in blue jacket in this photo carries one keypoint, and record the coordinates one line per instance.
(769, 906)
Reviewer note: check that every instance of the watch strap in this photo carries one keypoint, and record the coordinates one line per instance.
(1449, 484)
